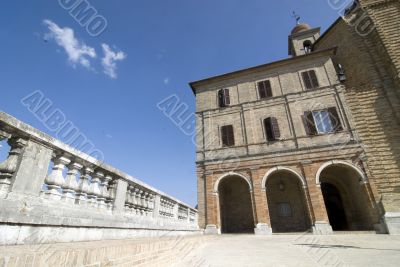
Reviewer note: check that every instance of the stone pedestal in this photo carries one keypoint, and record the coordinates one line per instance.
(392, 221)
(322, 228)
(212, 229)
(262, 229)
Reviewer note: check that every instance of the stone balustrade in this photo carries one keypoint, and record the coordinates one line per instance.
(50, 192)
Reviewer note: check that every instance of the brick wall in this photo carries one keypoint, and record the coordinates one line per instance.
(372, 93)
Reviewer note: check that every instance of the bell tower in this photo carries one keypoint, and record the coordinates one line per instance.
(302, 38)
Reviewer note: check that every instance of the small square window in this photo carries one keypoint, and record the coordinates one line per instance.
(284, 209)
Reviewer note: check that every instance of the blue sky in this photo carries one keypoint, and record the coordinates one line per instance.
(165, 45)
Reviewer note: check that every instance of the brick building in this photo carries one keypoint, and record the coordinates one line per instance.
(295, 145)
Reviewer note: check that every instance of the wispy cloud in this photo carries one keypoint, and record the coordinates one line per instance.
(167, 80)
(109, 60)
(78, 52)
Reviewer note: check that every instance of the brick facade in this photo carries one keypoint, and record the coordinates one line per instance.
(289, 177)
(372, 64)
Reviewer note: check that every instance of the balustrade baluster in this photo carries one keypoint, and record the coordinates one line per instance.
(137, 201)
(83, 187)
(112, 194)
(9, 166)
(132, 208)
(94, 190)
(106, 190)
(55, 180)
(71, 185)
(101, 199)
(146, 203)
(127, 199)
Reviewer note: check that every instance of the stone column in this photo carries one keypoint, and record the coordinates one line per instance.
(212, 205)
(119, 202)
(321, 221)
(308, 203)
(71, 185)
(10, 165)
(55, 181)
(263, 223)
(83, 187)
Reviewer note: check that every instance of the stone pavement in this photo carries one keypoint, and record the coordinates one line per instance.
(208, 251)
(297, 250)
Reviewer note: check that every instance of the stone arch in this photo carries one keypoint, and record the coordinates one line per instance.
(364, 178)
(280, 168)
(287, 202)
(229, 174)
(345, 189)
(233, 193)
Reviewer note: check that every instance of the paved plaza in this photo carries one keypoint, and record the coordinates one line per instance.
(297, 250)
(219, 250)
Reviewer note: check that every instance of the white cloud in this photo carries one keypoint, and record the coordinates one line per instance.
(166, 80)
(109, 60)
(77, 51)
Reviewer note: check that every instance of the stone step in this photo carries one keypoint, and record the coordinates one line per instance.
(354, 232)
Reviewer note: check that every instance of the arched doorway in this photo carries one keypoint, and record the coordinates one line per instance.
(334, 206)
(346, 200)
(235, 206)
(287, 203)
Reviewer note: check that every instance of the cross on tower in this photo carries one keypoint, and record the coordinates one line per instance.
(296, 17)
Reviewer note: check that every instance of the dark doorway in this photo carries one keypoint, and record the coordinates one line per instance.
(334, 206)
(235, 205)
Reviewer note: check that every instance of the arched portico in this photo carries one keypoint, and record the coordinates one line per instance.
(280, 168)
(234, 196)
(287, 200)
(345, 189)
(230, 174)
(361, 174)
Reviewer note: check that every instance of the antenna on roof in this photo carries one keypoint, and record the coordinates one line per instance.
(296, 17)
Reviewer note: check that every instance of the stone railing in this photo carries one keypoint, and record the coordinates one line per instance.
(50, 192)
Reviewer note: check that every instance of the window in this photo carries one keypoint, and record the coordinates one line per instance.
(271, 127)
(322, 121)
(227, 136)
(223, 98)
(307, 46)
(284, 210)
(310, 79)
(264, 89)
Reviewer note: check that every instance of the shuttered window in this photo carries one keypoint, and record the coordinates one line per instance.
(227, 135)
(335, 120)
(322, 121)
(310, 79)
(309, 124)
(264, 89)
(223, 98)
(271, 127)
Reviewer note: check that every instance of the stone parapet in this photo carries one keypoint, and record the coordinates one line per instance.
(50, 192)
